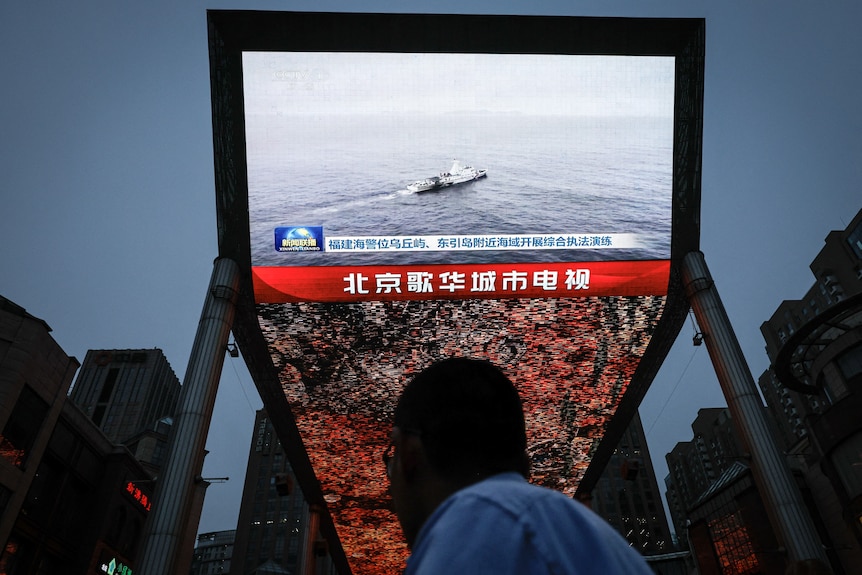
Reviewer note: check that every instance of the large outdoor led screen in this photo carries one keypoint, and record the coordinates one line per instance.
(427, 186)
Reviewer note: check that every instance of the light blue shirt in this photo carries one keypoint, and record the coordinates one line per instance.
(505, 525)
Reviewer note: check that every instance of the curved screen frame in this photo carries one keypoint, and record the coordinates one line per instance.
(231, 33)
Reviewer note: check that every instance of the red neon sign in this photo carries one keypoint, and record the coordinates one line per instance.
(142, 498)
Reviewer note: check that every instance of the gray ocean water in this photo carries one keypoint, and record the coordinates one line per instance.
(545, 175)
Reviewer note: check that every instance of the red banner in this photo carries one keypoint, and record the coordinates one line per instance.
(459, 281)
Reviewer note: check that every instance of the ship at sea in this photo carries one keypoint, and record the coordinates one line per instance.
(457, 174)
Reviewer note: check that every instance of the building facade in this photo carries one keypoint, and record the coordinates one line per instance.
(131, 395)
(627, 495)
(813, 388)
(729, 529)
(813, 393)
(126, 391)
(275, 532)
(715, 505)
(71, 501)
(693, 466)
(35, 374)
(213, 553)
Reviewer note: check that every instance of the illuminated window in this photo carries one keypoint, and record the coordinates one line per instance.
(22, 427)
(13, 550)
(733, 546)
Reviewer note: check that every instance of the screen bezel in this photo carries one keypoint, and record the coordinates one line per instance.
(233, 32)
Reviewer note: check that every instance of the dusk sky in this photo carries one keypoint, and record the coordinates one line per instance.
(107, 218)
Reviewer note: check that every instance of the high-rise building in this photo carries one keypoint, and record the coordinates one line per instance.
(813, 388)
(813, 391)
(714, 502)
(274, 533)
(132, 396)
(213, 553)
(627, 494)
(126, 391)
(695, 465)
(838, 272)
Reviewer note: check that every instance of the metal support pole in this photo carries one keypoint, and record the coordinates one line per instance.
(773, 478)
(167, 526)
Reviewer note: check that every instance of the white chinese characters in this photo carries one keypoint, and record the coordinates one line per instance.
(423, 282)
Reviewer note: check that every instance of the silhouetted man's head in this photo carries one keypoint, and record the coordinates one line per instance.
(456, 423)
(469, 418)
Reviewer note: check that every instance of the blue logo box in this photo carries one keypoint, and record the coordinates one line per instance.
(299, 239)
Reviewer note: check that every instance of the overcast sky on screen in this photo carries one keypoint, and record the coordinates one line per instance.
(505, 83)
(107, 212)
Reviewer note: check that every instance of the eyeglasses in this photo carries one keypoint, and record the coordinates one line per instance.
(389, 452)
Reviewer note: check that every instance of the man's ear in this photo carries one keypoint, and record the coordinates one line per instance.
(411, 456)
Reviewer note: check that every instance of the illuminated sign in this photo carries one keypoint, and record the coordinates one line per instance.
(139, 496)
(115, 567)
(112, 564)
(370, 252)
(485, 281)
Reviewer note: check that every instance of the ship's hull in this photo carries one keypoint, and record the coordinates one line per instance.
(435, 184)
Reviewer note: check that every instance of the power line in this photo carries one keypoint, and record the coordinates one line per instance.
(676, 385)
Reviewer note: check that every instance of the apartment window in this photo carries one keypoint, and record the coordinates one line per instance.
(42, 497)
(108, 387)
(99, 414)
(825, 294)
(105, 396)
(855, 240)
(22, 427)
(733, 544)
(846, 459)
(850, 362)
(159, 453)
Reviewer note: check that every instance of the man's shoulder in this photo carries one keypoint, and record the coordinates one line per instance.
(508, 525)
(513, 493)
(480, 529)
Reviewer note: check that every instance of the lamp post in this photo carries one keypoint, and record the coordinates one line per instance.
(178, 489)
(781, 497)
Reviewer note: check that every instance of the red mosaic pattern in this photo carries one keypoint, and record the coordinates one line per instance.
(343, 366)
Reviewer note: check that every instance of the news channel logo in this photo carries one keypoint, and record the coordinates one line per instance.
(299, 239)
